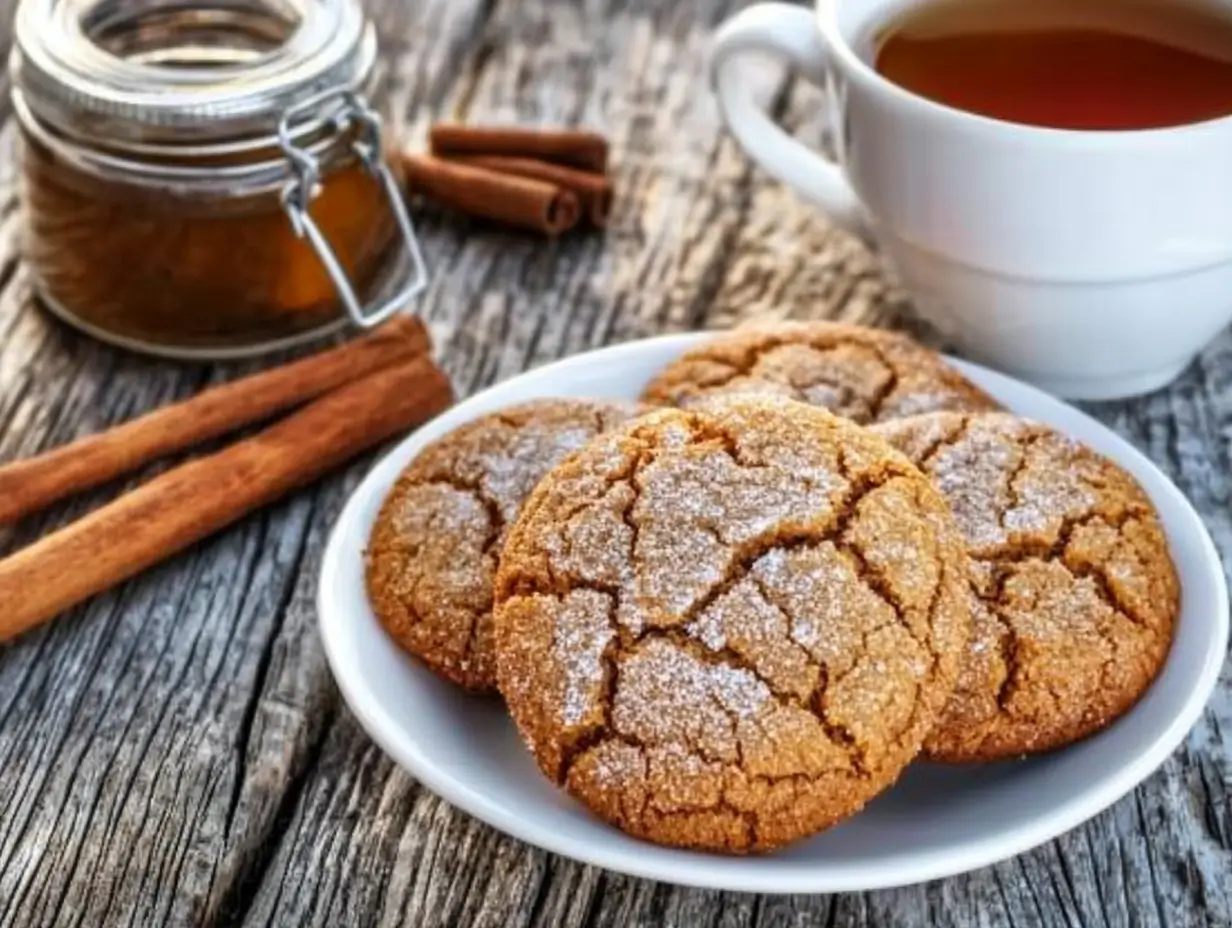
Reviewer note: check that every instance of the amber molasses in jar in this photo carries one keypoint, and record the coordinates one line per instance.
(207, 179)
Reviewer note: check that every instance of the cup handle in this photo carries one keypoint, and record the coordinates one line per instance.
(788, 32)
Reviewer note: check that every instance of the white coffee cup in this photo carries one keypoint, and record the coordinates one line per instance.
(1094, 264)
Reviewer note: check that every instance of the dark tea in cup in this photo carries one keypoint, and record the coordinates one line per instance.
(1065, 64)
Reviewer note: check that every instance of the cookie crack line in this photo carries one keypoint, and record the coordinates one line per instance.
(875, 580)
(934, 659)
(773, 600)
(1096, 574)
(1056, 554)
(643, 749)
(946, 442)
(600, 732)
(878, 401)
(742, 565)
(712, 657)
(1012, 552)
(1007, 644)
(623, 643)
(1008, 640)
(496, 519)
(1025, 447)
(1103, 589)
(723, 803)
(751, 357)
(836, 732)
(496, 523)
(608, 659)
(815, 700)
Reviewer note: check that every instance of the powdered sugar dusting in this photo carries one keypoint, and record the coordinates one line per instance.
(503, 456)
(973, 474)
(512, 469)
(583, 632)
(708, 629)
(1045, 497)
(806, 633)
(510, 462)
(826, 395)
(844, 378)
(1005, 478)
(617, 764)
(743, 621)
(758, 387)
(666, 695)
(831, 606)
(915, 404)
(692, 509)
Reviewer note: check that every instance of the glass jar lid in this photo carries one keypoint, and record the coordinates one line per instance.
(142, 72)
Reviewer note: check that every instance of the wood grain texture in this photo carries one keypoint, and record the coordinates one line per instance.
(174, 752)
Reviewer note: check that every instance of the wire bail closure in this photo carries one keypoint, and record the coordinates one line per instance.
(304, 186)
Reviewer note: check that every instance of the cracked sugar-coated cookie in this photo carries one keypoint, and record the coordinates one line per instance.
(867, 375)
(434, 549)
(1074, 592)
(730, 627)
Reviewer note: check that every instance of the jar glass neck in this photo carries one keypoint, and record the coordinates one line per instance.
(229, 168)
(152, 72)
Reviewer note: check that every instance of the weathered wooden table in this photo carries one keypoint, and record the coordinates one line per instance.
(175, 752)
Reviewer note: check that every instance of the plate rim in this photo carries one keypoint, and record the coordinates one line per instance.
(712, 871)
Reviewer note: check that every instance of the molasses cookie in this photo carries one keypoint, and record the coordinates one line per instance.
(434, 549)
(1074, 591)
(867, 375)
(730, 627)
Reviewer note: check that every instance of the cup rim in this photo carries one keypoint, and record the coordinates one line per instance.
(826, 13)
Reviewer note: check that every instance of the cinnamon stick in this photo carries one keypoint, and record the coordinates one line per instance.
(571, 147)
(29, 485)
(517, 201)
(593, 191)
(194, 500)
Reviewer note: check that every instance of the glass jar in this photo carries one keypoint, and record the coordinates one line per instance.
(205, 178)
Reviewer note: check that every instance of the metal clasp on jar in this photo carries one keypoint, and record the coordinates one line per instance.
(305, 183)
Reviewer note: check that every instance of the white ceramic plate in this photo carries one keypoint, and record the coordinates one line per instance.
(937, 821)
